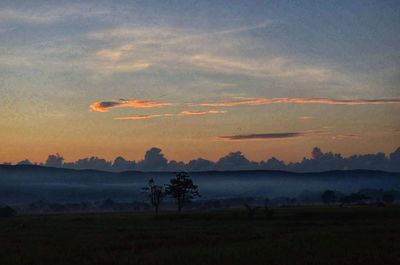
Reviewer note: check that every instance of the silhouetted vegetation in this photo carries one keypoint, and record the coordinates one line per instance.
(182, 189)
(328, 197)
(156, 194)
(7, 211)
(251, 211)
(355, 198)
(268, 212)
(388, 198)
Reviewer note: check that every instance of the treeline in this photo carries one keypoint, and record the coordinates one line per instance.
(370, 197)
(154, 160)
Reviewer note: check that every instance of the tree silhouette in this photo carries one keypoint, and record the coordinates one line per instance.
(7, 211)
(328, 197)
(156, 194)
(388, 198)
(182, 189)
(251, 211)
(268, 212)
(355, 198)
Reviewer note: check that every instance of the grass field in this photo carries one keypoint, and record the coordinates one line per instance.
(293, 236)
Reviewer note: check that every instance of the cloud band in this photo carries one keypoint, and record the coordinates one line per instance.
(261, 136)
(105, 106)
(324, 101)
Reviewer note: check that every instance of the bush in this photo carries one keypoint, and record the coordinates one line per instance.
(269, 213)
(7, 211)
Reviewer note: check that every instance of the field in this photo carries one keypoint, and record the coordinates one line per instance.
(357, 235)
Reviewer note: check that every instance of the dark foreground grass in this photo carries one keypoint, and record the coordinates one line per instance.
(294, 236)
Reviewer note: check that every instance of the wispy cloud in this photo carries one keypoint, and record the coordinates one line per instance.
(276, 67)
(182, 113)
(105, 106)
(50, 14)
(136, 47)
(125, 68)
(194, 113)
(139, 117)
(203, 51)
(115, 54)
(262, 136)
(325, 101)
(306, 118)
(345, 137)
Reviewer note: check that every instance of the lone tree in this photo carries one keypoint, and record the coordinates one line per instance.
(182, 189)
(328, 197)
(156, 194)
(251, 211)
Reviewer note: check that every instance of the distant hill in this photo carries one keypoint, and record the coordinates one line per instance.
(7, 169)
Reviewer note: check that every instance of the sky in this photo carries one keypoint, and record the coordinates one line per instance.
(198, 78)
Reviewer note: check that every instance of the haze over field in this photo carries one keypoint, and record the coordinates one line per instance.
(26, 184)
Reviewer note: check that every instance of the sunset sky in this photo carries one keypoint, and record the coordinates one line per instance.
(198, 78)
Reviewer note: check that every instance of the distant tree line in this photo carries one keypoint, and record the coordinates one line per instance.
(154, 160)
(255, 206)
(366, 196)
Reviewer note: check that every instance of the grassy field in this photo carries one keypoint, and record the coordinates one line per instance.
(293, 236)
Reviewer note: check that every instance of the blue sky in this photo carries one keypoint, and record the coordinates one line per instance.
(60, 57)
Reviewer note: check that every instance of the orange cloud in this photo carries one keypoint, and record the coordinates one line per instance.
(345, 136)
(105, 106)
(192, 113)
(185, 113)
(326, 101)
(306, 118)
(140, 117)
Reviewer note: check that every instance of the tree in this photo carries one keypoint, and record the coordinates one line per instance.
(355, 198)
(182, 189)
(388, 198)
(251, 211)
(156, 194)
(329, 196)
(7, 211)
(268, 212)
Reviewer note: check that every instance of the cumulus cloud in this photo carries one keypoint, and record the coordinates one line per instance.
(105, 106)
(155, 160)
(324, 101)
(262, 136)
